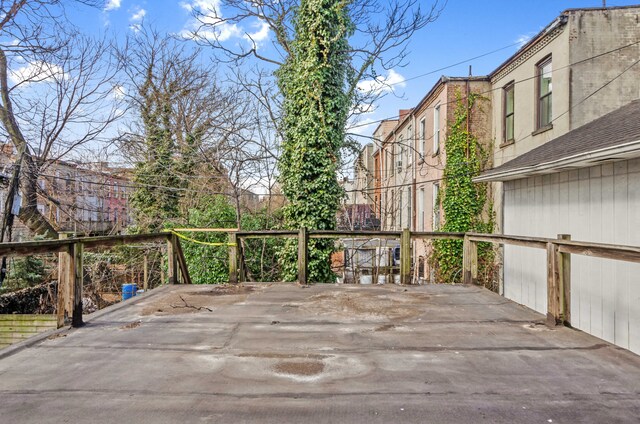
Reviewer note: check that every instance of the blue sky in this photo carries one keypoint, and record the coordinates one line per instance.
(465, 29)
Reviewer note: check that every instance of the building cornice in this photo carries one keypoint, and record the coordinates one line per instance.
(537, 43)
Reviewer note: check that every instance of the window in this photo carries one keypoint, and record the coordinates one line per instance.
(68, 183)
(508, 94)
(400, 211)
(401, 143)
(436, 206)
(545, 89)
(422, 132)
(421, 210)
(409, 209)
(410, 145)
(391, 210)
(436, 130)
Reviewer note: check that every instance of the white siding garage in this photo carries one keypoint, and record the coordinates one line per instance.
(597, 204)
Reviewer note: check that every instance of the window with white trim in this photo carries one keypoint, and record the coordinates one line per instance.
(420, 207)
(436, 206)
(436, 130)
(544, 72)
(422, 133)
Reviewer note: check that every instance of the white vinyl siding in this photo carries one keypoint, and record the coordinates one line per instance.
(597, 204)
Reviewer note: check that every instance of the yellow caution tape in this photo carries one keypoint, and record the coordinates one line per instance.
(205, 243)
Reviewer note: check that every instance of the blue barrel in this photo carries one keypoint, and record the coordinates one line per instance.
(129, 290)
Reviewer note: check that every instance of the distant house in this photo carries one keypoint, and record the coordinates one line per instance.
(411, 157)
(357, 210)
(566, 121)
(92, 199)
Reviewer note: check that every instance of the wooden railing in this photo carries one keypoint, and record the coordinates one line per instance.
(558, 264)
(70, 259)
(558, 259)
(303, 235)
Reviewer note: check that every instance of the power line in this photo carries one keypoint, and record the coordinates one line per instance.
(515, 82)
(607, 83)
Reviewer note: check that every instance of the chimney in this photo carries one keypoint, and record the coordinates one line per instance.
(403, 113)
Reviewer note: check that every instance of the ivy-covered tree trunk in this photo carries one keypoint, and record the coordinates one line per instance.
(156, 198)
(312, 82)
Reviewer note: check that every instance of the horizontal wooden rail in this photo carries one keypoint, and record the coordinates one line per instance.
(598, 250)
(206, 230)
(267, 234)
(41, 247)
(111, 241)
(535, 242)
(435, 235)
(56, 246)
(319, 234)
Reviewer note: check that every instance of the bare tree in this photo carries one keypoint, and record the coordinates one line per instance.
(206, 128)
(383, 29)
(56, 92)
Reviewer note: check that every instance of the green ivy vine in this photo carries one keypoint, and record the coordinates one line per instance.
(464, 203)
(315, 108)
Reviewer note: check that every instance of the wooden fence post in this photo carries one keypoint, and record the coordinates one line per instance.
(405, 257)
(474, 261)
(303, 255)
(241, 270)
(145, 278)
(564, 272)
(78, 279)
(233, 258)
(553, 285)
(467, 278)
(63, 310)
(172, 262)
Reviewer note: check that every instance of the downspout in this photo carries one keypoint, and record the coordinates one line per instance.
(468, 111)
(414, 201)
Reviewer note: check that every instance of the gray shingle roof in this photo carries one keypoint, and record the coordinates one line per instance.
(614, 129)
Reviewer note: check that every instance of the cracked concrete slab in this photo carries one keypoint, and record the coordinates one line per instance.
(281, 353)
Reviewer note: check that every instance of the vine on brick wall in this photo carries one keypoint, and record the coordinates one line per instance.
(464, 202)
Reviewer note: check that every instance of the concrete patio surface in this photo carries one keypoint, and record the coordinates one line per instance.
(323, 354)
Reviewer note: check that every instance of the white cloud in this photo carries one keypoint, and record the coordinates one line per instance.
(260, 35)
(382, 84)
(209, 15)
(362, 127)
(138, 15)
(112, 5)
(522, 40)
(118, 92)
(211, 24)
(525, 38)
(35, 72)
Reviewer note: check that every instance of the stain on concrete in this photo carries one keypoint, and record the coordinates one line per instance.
(300, 368)
(396, 306)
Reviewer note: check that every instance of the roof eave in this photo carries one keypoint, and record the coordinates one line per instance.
(624, 151)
